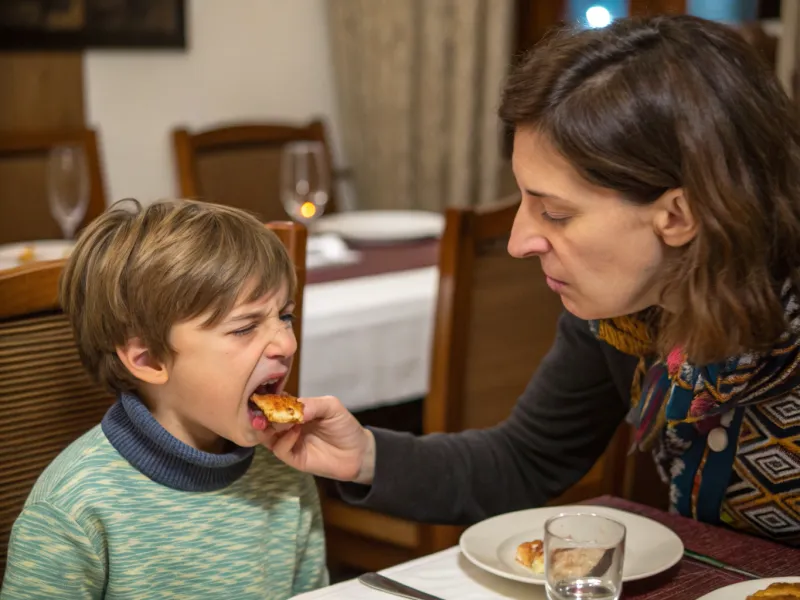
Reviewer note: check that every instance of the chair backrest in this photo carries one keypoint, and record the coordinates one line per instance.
(47, 399)
(495, 320)
(24, 211)
(240, 165)
(294, 236)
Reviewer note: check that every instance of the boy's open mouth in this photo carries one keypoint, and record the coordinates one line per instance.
(257, 418)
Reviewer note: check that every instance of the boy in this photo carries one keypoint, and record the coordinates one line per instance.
(184, 310)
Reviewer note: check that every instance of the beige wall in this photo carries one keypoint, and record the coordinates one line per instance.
(248, 59)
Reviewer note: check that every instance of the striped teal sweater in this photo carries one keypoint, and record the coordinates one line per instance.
(94, 526)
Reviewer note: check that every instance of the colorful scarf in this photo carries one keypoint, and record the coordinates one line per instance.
(675, 403)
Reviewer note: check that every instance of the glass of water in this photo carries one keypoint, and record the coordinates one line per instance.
(583, 554)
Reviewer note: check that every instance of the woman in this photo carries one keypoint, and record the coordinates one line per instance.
(659, 166)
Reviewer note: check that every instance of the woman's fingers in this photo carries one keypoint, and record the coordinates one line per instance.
(320, 407)
(283, 443)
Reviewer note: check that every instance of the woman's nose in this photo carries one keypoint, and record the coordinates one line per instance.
(526, 238)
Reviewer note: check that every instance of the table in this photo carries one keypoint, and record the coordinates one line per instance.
(448, 574)
(368, 326)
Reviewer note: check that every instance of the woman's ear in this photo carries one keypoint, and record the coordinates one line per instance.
(674, 221)
(138, 359)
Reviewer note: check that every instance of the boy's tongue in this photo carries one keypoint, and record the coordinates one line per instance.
(257, 418)
(259, 422)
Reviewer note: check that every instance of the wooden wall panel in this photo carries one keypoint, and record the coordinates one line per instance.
(41, 90)
(647, 8)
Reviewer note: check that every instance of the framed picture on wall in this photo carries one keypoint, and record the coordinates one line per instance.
(81, 24)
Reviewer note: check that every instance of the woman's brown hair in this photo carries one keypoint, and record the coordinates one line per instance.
(648, 105)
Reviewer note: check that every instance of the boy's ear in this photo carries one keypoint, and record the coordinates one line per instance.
(138, 359)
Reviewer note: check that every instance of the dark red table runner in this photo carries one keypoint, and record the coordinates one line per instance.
(379, 259)
(689, 580)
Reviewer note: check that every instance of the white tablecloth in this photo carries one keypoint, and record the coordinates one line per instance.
(367, 340)
(447, 574)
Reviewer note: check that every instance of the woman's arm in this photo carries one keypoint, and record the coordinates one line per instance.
(558, 429)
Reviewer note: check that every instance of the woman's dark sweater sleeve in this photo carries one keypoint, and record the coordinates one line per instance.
(560, 425)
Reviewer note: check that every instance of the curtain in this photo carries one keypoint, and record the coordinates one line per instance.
(418, 86)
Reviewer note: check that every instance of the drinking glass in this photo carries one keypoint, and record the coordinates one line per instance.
(67, 187)
(583, 556)
(305, 181)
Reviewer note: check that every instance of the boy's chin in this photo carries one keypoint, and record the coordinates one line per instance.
(255, 438)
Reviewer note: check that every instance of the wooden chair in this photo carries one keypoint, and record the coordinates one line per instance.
(47, 400)
(24, 212)
(240, 165)
(294, 236)
(495, 321)
(46, 397)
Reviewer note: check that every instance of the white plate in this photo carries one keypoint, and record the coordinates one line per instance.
(650, 547)
(740, 591)
(382, 225)
(14, 255)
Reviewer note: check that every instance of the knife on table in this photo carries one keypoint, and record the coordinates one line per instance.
(707, 560)
(390, 586)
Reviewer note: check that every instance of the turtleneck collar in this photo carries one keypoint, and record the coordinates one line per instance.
(156, 453)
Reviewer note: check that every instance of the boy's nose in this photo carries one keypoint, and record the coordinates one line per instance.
(282, 345)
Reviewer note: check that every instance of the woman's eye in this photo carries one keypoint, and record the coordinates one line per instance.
(554, 218)
(288, 318)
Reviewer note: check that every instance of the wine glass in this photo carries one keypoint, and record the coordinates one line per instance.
(305, 181)
(67, 187)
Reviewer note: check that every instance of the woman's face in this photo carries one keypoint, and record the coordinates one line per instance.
(600, 253)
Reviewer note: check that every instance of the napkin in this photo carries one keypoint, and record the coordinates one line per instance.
(328, 249)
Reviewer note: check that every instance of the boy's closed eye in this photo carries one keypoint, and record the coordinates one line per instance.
(255, 319)
(247, 323)
(287, 318)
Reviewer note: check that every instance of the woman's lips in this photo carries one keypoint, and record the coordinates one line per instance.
(554, 284)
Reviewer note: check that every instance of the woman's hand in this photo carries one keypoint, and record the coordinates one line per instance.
(330, 443)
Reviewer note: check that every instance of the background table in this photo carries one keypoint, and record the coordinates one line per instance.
(450, 575)
(368, 326)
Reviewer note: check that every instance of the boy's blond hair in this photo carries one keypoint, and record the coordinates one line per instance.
(137, 271)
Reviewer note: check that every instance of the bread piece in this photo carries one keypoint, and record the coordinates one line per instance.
(28, 254)
(778, 591)
(531, 556)
(576, 562)
(279, 408)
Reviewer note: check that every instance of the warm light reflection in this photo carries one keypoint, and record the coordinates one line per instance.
(308, 210)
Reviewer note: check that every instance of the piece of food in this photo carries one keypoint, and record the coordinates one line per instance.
(531, 556)
(576, 562)
(279, 408)
(778, 591)
(569, 562)
(28, 254)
